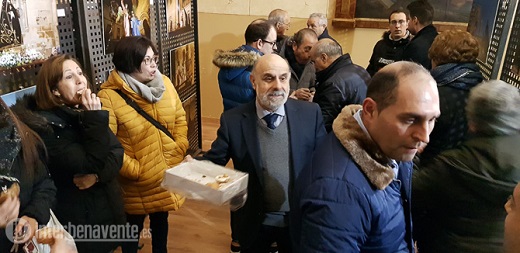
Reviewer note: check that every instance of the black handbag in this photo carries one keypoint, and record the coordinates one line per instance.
(139, 110)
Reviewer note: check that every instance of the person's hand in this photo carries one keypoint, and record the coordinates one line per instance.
(85, 181)
(187, 158)
(56, 239)
(89, 101)
(303, 94)
(9, 210)
(26, 229)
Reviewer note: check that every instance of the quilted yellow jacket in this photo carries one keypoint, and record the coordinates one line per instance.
(148, 151)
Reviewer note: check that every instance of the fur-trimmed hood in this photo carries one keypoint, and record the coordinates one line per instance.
(26, 110)
(242, 57)
(364, 151)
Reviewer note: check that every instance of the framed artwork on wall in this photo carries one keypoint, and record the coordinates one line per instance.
(449, 14)
(123, 18)
(511, 65)
(182, 67)
(190, 107)
(178, 16)
(483, 17)
(28, 31)
(28, 35)
(490, 21)
(445, 10)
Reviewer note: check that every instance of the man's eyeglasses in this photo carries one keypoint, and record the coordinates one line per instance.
(148, 60)
(400, 22)
(286, 24)
(273, 43)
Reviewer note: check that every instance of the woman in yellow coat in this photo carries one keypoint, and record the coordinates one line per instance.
(148, 150)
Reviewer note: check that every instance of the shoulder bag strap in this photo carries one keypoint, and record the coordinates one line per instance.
(139, 110)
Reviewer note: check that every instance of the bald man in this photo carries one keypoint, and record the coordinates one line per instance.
(282, 22)
(355, 194)
(339, 82)
(264, 138)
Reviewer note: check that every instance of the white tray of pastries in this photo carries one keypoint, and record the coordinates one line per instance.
(205, 180)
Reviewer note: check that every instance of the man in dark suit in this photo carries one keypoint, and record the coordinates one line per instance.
(271, 139)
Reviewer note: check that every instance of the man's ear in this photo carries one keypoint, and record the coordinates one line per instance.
(369, 107)
(252, 79)
(324, 57)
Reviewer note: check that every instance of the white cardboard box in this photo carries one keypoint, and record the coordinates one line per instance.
(190, 178)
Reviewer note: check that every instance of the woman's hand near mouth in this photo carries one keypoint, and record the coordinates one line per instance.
(89, 100)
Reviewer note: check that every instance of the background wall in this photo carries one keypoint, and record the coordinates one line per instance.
(222, 24)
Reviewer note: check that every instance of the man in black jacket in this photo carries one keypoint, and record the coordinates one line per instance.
(391, 47)
(420, 25)
(339, 82)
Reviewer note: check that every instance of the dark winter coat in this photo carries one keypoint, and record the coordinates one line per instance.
(417, 49)
(233, 77)
(347, 200)
(80, 142)
(386, 51)
(342, 83)
(454, 81)
(37, 194)
(326, 35)
(458, 199)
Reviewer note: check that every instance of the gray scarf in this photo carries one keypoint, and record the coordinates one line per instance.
(151, 91)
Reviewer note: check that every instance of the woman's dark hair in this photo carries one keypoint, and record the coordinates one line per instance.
(47, 81)
(31, 142)
(129, 52)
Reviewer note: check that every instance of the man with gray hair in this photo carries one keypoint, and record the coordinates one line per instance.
(459, 197)
(339, 82)
(318, 23)
(282, 22)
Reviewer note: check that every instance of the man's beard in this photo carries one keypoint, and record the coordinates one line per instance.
(273, 104)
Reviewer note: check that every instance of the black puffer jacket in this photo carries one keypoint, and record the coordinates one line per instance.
(417, 49)
(342, 83)
(387, 51)
(458, 199)
(80, 142)
(325, 35)
(454, 81)
(37, 194)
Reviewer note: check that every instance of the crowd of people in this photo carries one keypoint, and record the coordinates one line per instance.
(414, 115)
(415, 153)
(92, 158)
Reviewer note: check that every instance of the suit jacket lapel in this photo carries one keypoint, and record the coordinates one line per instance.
(294, 119)
(249, 130)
